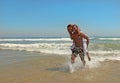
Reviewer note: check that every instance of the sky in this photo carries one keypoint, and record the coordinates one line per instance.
(50, 17)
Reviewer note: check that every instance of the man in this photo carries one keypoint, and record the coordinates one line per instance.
(77, 38)
(85, 45)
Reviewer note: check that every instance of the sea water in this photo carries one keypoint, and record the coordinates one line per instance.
(100, 48)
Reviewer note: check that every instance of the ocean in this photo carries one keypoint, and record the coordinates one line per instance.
(103, 50)
(100, 47)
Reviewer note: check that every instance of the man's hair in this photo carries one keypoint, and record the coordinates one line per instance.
(69, 25)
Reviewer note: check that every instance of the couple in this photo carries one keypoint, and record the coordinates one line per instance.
(80, 43)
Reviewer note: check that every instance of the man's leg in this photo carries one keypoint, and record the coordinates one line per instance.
(73, 58)
(82, 59)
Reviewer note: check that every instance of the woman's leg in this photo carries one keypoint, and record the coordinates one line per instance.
(88, 56)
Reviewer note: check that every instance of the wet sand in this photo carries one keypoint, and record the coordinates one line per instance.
(47, 69)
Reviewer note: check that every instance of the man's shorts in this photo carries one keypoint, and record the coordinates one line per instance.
(78, 50)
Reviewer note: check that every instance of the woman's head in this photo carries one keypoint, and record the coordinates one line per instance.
(75, 27)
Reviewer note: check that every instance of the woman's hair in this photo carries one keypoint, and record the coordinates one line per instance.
(76, 27)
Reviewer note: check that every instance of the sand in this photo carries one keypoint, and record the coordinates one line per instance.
(47, 69)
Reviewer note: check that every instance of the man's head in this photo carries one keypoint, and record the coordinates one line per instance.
(70, 28)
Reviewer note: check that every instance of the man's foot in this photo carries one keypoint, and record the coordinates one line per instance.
(84, 63)
(71, 69)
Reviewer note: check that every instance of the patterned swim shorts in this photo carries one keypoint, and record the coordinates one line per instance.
(78, 50)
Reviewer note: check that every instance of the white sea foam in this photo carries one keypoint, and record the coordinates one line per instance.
(68, 67)
(101, 52)
(38, 39)
(52, 48)
(108, 38)
(94, 63)
(54, 39)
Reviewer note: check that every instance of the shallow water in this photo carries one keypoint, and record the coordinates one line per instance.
(56, 69)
